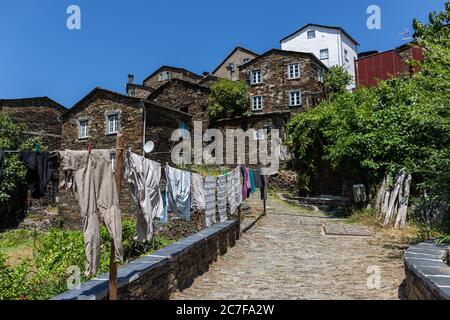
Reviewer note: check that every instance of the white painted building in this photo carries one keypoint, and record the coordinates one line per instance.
(332, 45)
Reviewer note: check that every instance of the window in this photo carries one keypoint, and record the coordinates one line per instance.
(132, 93)
(320, 74)
(311, 34)
(112, 157)
(295, 98)
(323, 54)
(84, 129)
(245, 60)
(184, 109)
(165, 75)
(346, 55)
(294, 70)
(256, 77)
(257, 103)
(113, 123)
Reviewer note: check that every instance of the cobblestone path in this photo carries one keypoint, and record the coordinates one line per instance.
(286, 255)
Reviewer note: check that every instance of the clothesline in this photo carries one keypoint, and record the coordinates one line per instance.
(55, 151)
(185, 191)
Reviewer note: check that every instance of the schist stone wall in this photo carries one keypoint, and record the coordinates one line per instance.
(41, 116)
(276, 85)
(158, 275)
(95, 110)
(138, 91)
(184, 96)
(268, 121)
(155, 81)
(161, 123)
(427, 274)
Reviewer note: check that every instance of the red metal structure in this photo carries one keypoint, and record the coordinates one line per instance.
(380, 66)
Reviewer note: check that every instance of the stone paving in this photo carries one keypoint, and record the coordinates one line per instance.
(287, 255)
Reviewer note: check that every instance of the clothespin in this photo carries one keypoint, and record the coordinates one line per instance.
(89, 147)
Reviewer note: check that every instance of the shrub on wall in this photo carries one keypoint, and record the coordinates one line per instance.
(228, 99)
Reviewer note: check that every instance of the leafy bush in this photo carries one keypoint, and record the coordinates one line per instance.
(13, 137)
(336, 80)
(228, 99)
(55, 252)
(401, 123)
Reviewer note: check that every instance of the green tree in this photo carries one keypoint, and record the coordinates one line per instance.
(336, 81)
(13, 137)
(400, 123)
(228, 99)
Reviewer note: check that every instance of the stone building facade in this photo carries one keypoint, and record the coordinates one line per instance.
(41, 116)
(229, 67)
(167, 73)
(184, 96)
(284, 81)
(89, 122)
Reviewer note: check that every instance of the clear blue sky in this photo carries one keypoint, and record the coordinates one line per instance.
(39, 56)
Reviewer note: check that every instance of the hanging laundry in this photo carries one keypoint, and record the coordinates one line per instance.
(210, 201)
(163, 219)
(144, 175)
(198, 192)
(178, 192)
(221, 197)
(245, 183)
(238, 186)
(231, 191)
(252, 181)
(40, 169)
(90, 177)
(257, 175)
(2, 163)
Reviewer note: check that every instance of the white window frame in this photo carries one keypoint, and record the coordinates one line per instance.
(320, 74)
(113, 126)
(327, 52)
(295, 98)
(257, 103)
(254, 79)
(112, 157)
(292, 73)
(308, 34)
(83, 129)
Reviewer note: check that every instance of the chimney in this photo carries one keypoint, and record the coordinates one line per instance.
(131, 78)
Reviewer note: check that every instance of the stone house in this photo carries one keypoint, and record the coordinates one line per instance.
(281, 80)
(41, 116)
(229, 67)
(97, 118)
(158, 78)
(183, 95)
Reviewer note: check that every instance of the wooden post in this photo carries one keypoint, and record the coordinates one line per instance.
(118, 176)
(264, 202)
(239, 220)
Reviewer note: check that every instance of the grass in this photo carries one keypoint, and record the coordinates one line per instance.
(18, 244)
(414, 232)
(207, 170)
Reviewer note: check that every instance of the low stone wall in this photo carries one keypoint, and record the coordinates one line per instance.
(172, 268)
(427, 275)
